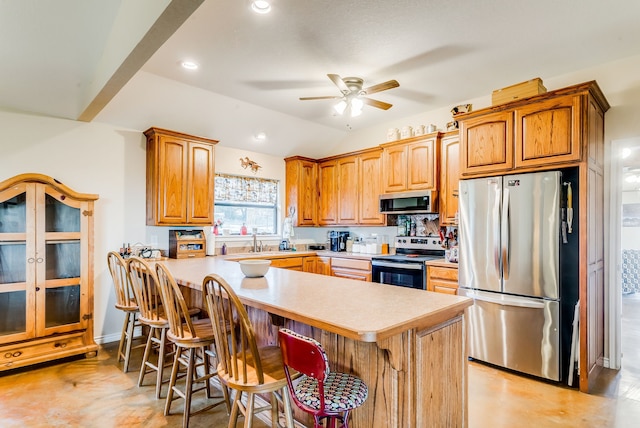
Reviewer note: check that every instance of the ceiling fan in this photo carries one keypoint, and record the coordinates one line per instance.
(354, 96)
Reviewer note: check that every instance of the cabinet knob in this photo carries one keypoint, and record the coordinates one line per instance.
(31, 260)
(39, 260)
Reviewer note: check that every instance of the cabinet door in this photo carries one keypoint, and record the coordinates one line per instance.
(370, 187)
(548, 132)
(421, 166)
(200, 179)
(486, 144)
(172, 180)
(394, 159)
(302, 190)
(348, 190)
(328, 184)
(62, 277)
(17, 261)
(450, 175)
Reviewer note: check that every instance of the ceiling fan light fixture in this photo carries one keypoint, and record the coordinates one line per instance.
(356, 107)
(261, 6)
(340, 107)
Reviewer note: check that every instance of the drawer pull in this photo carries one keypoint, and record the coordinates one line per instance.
(16, 354)
(60, 345)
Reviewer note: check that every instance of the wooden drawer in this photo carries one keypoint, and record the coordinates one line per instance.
(350, 263)
(288, 263)
(445, 290)
(32, 352)
(450, 274)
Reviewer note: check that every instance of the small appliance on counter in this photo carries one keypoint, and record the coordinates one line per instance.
(338, 240)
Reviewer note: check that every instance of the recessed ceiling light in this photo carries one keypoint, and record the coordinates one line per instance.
(261, 6)
(189, 65)
(260, 136)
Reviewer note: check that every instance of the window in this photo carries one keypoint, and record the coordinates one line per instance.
(247, 201)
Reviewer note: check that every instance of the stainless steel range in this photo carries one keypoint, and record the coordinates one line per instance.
(407, 268)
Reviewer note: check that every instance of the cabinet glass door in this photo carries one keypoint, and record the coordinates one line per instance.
(61, 273)
(16, 280)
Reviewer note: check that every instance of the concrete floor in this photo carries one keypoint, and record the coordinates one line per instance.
(95, 392)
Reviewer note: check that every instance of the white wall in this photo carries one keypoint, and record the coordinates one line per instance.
(110, 161)
(630, 237)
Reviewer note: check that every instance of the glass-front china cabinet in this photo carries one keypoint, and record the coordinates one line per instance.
(46, 271)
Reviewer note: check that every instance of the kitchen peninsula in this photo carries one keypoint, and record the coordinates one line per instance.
(406, 344)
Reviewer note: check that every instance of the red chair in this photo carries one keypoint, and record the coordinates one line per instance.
(320, 392)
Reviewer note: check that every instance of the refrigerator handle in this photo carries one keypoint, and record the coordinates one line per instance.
(505, 234)
(496, 230)
(504, 300)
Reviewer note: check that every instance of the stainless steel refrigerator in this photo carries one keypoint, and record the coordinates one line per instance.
(509, 263)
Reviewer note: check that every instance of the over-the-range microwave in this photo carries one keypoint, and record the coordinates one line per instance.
(417, 202)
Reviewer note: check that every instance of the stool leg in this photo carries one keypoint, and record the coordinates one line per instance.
(145, 357)
(248, 416)
(161, 354)
(172, 380)
(124, 339)
(189, 386)
(274, 411)
(235, 409)
(288, 411)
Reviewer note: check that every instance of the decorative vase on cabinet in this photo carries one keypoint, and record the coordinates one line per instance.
(46, 271)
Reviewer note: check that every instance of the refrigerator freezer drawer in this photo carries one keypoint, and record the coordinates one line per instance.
(518, 333)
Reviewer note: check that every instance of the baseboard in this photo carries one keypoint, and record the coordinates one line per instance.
(115, 337)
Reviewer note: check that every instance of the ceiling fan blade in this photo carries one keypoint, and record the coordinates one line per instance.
(381, 87)
(330, 97)
(337, 80)
(376, 103)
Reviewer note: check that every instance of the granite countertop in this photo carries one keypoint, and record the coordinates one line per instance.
(311, 299)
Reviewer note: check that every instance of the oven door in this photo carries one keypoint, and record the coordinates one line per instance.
(411, 275)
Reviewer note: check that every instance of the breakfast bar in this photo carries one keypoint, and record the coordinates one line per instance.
(407, 345)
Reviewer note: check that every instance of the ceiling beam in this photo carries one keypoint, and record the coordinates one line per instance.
(174, 15)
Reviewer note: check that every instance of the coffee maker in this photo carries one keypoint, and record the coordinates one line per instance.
(338, 240)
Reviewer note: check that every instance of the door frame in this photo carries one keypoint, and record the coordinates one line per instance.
(613, 263)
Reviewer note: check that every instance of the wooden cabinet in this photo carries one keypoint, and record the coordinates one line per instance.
(351, 268)
(449, 178)
(548, 132)
(46, 271)
(180, 179)
(442, 279)
(349, 187)
(301, 193)
(292, 263)
(328, 191)
(543, 132)
(370, 188)
(317, 264)
(487, 143)
(564, 129)
(411, 164)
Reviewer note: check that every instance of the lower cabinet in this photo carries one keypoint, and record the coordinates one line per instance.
(351, 268)
(292, 263)
(317, 264)
(442, 279)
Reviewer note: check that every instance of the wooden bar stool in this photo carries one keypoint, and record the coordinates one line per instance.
(320, 392)
(144, 282)
(243, 366)
(126, 302)
(189, 337)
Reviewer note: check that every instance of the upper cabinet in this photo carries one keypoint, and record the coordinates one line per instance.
(328, 190)
(543, 131)
(340, 190)
(301, 193)
(180, 179)
(411, 164)
(449, 177)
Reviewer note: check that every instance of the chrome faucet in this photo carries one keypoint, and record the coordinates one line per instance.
(255, 243)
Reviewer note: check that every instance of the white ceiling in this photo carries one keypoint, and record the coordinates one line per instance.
(118, 61)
